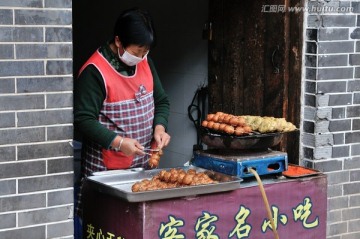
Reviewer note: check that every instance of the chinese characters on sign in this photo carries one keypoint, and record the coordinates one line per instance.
(302, 213)
(170, 229)
(91, 233)
(242, 229)
(205, 224)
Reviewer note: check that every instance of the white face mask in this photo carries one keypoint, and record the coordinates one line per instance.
(130, 59)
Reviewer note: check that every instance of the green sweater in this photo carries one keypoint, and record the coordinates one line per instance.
(89, 95)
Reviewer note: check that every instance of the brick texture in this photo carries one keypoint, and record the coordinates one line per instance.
(332, 38)
(36, 82)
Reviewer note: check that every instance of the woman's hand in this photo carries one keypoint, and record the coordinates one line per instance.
(130, 147)
(161, 137)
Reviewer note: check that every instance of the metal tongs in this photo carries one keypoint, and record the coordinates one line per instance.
(149, 151)
(152, 150)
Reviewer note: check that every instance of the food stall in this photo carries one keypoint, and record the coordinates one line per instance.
(231, 204)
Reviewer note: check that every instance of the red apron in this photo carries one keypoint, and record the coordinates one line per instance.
(128, 110)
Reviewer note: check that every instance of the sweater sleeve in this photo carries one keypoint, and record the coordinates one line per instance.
(89, 95)
(161, 100)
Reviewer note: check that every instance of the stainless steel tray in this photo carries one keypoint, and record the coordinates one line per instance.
(118, 183)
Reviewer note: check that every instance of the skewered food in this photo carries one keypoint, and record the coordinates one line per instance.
(155, 158)
(245, 124)
(227, 123)
(171, 179)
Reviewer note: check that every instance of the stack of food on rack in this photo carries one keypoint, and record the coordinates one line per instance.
(245, 124)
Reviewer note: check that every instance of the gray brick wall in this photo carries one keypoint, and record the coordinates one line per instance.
(36, 157)
(330, 131)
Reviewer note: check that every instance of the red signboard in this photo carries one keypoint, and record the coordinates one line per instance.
(298, 207)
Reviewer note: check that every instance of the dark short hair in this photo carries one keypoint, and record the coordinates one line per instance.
(135, 26)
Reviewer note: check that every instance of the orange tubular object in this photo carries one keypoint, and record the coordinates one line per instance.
(204, 123)
(155, 159)
(210, 117)
(226, 123)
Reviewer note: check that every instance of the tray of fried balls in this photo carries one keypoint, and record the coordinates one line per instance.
(222, 130)
(156, 184)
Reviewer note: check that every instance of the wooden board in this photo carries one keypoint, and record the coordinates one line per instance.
(255, 62)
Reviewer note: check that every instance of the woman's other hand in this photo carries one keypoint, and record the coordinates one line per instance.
(161, 137)
(130, 147)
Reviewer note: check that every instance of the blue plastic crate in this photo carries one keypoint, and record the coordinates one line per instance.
(269, 162)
